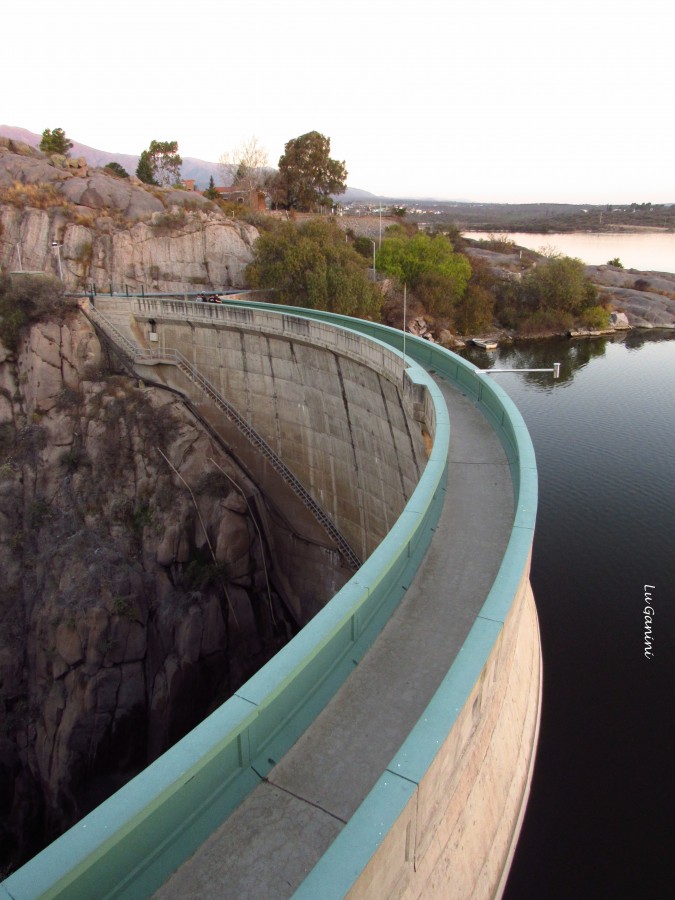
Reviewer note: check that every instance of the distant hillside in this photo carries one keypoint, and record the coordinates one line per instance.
(198, 169)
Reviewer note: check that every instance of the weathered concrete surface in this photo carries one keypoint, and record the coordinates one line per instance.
(456, 836)
(468, 808)
(335, 415)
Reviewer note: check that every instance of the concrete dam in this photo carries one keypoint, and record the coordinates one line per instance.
(388, 748)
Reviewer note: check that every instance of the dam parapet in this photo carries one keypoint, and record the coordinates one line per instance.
(479, 690)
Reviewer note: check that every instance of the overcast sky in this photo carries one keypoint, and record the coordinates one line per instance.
(498, 100)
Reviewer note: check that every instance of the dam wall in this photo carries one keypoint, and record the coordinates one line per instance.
(337, 409)
(445, 813)
(130, 844)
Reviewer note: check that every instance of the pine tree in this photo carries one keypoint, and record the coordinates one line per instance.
(211, 191)
(55, 142)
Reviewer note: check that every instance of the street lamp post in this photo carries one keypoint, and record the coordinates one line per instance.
(374, 269)
(18, 250)
(58, 256)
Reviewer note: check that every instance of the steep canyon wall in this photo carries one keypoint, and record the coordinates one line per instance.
(137, 589)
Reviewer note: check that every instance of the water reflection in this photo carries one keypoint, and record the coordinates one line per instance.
(636, 339)
(603, 445)
(572, 354)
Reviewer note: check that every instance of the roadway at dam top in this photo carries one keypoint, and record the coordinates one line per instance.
(349, 798)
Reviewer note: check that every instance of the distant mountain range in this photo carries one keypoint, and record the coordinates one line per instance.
(198, 169)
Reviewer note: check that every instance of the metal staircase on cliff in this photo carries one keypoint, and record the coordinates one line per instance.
(138, 356)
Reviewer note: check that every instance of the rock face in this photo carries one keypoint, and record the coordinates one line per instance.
(646, 299)
(133, 596)
(112, 230)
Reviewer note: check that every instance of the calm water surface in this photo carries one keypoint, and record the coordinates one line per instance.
(646, 251)
(600, 821)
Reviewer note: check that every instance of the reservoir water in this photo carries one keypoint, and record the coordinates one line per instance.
(600, 821)
(646, 251)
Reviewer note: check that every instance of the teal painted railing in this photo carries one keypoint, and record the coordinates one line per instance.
(129, 845)
(356, 844)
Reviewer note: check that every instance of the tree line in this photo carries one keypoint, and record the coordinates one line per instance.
(313, 265)
(307, 178)
(316, 265)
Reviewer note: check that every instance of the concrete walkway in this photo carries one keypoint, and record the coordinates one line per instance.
(269, 844)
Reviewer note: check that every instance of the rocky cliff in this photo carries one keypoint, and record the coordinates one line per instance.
(134, 594)
(113, 230)
(647, 299)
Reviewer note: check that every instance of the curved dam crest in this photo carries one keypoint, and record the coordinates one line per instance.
(335, 415)
(446, 809)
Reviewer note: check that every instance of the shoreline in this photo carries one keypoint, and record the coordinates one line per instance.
(608, 229)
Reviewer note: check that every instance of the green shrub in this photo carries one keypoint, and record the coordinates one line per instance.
(364, 246)
(595, 317)
(475, 312)
(498, 243)
(508, 317)
(560, 284)
(30, 298)
(312, 266)
(116, 169)
(168, 221)
(545, 321)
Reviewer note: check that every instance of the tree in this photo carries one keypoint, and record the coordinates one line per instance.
(312, 266)
(476, 310)
(307, 175)
(245, 167)
(144, 169)
(559, 284)
(55, 142)
(426, 264)
(211, 191)
(117, 169)
(164, 162)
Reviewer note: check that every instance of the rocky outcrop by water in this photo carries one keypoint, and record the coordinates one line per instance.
(647, 299)
(112, 230)
(133, 594)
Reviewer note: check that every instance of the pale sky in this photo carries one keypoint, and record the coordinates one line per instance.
(497, 100)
